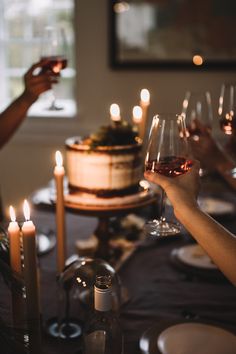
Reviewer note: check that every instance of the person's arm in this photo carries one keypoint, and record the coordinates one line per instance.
(218, 242)
(14, 114)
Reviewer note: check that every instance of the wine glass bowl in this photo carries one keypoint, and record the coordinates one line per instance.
(168, 155)
(197, 111)
(226, 109)
(54, 63)
(53, 55)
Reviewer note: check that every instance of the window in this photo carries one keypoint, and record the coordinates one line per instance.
(21, 26)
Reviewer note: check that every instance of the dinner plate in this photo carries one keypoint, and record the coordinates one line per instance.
(195, 256)
(196, 338)
(214, 206)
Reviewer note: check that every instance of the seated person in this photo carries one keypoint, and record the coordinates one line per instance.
(218, 242)
(14, 114)
(211, 155)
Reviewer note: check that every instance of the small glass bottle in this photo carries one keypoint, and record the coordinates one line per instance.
(103, 334)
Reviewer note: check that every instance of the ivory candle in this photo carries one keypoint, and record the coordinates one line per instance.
(115, 113)
(30, 266)
(59, 173)
(137, 117)
(14, 241)
(144, 104)
(15, 262)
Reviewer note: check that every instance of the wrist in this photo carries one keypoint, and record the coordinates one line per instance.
(28, 97)
(181, 209)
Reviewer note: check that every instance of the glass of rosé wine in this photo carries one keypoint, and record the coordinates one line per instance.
(53, 53)
(168, 155)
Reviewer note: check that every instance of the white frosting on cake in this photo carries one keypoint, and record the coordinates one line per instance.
(103, 169)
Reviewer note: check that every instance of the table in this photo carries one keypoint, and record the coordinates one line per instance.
(159, 293)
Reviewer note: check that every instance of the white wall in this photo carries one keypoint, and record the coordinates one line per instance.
(27, 160)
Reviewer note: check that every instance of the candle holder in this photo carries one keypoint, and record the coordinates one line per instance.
(75, 285)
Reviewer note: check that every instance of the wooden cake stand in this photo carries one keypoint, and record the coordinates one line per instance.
(43, 198)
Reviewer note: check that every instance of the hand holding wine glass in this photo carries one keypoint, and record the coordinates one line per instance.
(168, 155)
(53, 54)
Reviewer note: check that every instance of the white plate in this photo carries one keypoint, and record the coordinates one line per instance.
(195, 256)
(196, 338)
(215, 206)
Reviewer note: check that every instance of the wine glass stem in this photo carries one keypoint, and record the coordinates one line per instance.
(162, 205)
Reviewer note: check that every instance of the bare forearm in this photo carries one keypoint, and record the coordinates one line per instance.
(219, 243)
(11, 118)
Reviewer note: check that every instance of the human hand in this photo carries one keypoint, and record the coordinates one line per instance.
(181, 190)
(38, 81)
(204, 147)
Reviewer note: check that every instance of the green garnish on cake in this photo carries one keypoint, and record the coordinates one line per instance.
(118, 133)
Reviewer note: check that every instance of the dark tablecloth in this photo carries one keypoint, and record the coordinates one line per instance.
(160, 293)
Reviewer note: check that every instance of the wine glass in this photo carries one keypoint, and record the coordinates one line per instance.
(226, 110)
(227, 119)
(53, 53)
(167, 154)
(197, 111)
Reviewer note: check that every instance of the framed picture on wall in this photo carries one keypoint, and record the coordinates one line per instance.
(173, 34)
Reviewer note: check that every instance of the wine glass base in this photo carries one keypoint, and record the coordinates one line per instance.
(71, 330)
(161, 228)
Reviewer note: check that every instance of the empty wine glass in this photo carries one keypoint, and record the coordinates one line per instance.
(197, 110)
(167, 154)
(227, 120)
(53, 53)
(226, 109)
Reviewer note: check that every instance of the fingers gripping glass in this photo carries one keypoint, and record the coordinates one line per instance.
(167, 154)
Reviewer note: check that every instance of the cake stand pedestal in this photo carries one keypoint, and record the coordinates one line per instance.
(44, 198)
(105, 212)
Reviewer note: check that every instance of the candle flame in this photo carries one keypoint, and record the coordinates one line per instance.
(59, 159)
(12, 213)
(137, 114)
(145, 96)
(26, 210)
(115, 112)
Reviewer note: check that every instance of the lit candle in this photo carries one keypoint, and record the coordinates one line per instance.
(31, 282)
(59, 173)
(115, 113)
(137, 117)
(144, 104)
(15, 262)
(14, 241)
(30, 265)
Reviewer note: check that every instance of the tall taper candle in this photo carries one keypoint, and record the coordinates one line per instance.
(144, 104)
(31, 282)
(137, 118)
(30, 266)
(59, 173)
(15, 262)
(14, 240)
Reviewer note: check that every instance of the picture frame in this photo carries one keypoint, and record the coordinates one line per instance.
(172, 34)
